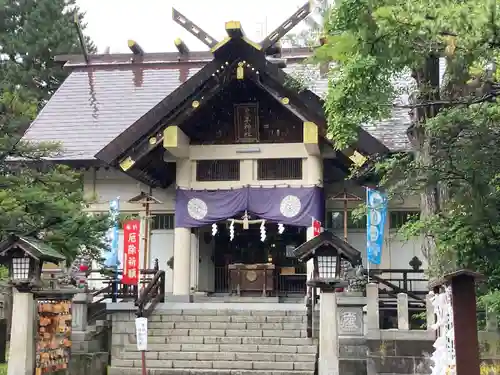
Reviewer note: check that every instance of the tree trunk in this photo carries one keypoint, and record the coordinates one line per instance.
(434, 194)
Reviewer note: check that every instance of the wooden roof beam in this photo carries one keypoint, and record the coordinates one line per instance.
(194, 29)
(181, 46)
(81, 39)
(286, 26)
(135, 48)
(234, 29)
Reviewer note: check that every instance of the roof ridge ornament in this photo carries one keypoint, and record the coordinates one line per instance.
(235, 30)
(283, 29)
(194, 29)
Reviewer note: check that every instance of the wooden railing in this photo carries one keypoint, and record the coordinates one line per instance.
(112, 288)
(152, 294)
(408, 281)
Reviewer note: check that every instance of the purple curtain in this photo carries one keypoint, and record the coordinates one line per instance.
(287, 205)
(196, 208)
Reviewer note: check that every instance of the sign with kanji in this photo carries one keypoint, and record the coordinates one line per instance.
(316, 225)
(131, 231)
(141, 333)
(246, 121)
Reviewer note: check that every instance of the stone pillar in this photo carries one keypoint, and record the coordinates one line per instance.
(310, 263)
(182, 261)
(313, 176)
(22, 344)
(328, 362)
(429, 308)
(79, 310)
(403, 313)
(372, 317)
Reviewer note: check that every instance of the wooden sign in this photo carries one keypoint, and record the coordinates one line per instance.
(246, 122)
(141, 333)
(131, 231)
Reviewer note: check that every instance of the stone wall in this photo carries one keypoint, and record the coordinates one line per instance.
(408, 357)
(90, 348)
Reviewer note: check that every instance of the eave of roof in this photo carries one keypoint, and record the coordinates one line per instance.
(74, 61)
(97, 103)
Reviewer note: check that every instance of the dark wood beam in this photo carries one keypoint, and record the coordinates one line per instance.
(234, 29)
(81, 39)
(313, 106)
(147, 123)
(135, 48)
(190, 106)
(286, 26)
(194, 29)
(181, 46)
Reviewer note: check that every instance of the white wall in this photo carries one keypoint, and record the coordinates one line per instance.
(106, 185)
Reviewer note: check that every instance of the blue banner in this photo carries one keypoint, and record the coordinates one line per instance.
(376, 203)
(111, 259)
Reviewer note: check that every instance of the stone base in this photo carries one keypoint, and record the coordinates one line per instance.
(88, 364)
(179, 298)
(181, 371)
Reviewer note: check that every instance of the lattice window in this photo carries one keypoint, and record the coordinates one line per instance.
(218, 170)
(279, 169)
(400, 218)
(162, 221)
(335, 220)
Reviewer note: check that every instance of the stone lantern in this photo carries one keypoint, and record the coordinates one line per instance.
(328, 253)
(24, 257)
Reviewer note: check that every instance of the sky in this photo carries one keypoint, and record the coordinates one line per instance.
(111, 23)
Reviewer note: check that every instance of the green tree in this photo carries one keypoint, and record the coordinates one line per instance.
(39, 198)
(455, 122)
(32, 33)
(309, 36)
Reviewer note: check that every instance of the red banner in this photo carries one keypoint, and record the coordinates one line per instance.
(316, 225)
(131, 232)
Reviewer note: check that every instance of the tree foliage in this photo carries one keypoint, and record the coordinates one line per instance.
(39, 198)
(454, 163)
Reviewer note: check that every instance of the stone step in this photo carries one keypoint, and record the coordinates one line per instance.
(216, 364)
(113, 370)
(221, 356)
(304, 347)
(229, 318)
(223, 325)
(200, 333)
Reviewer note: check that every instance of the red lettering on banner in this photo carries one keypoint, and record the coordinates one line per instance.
(131, 231)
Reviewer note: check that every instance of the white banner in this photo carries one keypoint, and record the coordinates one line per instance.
(141, 333)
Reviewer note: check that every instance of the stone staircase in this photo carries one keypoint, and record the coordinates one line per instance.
(217, 338)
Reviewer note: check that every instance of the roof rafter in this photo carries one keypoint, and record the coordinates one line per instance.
(143, 126)
(155, 136)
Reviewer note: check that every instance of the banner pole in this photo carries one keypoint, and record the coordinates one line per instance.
(367, 232)
(143, 360)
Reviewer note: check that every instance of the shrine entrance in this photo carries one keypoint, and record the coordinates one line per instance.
(249, 266)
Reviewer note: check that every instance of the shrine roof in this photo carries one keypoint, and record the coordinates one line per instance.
(100, 100)
(36, 248)
(306, 251)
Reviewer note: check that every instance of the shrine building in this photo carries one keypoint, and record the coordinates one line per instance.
(228, 158)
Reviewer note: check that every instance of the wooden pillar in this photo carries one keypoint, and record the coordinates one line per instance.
(463, 291)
